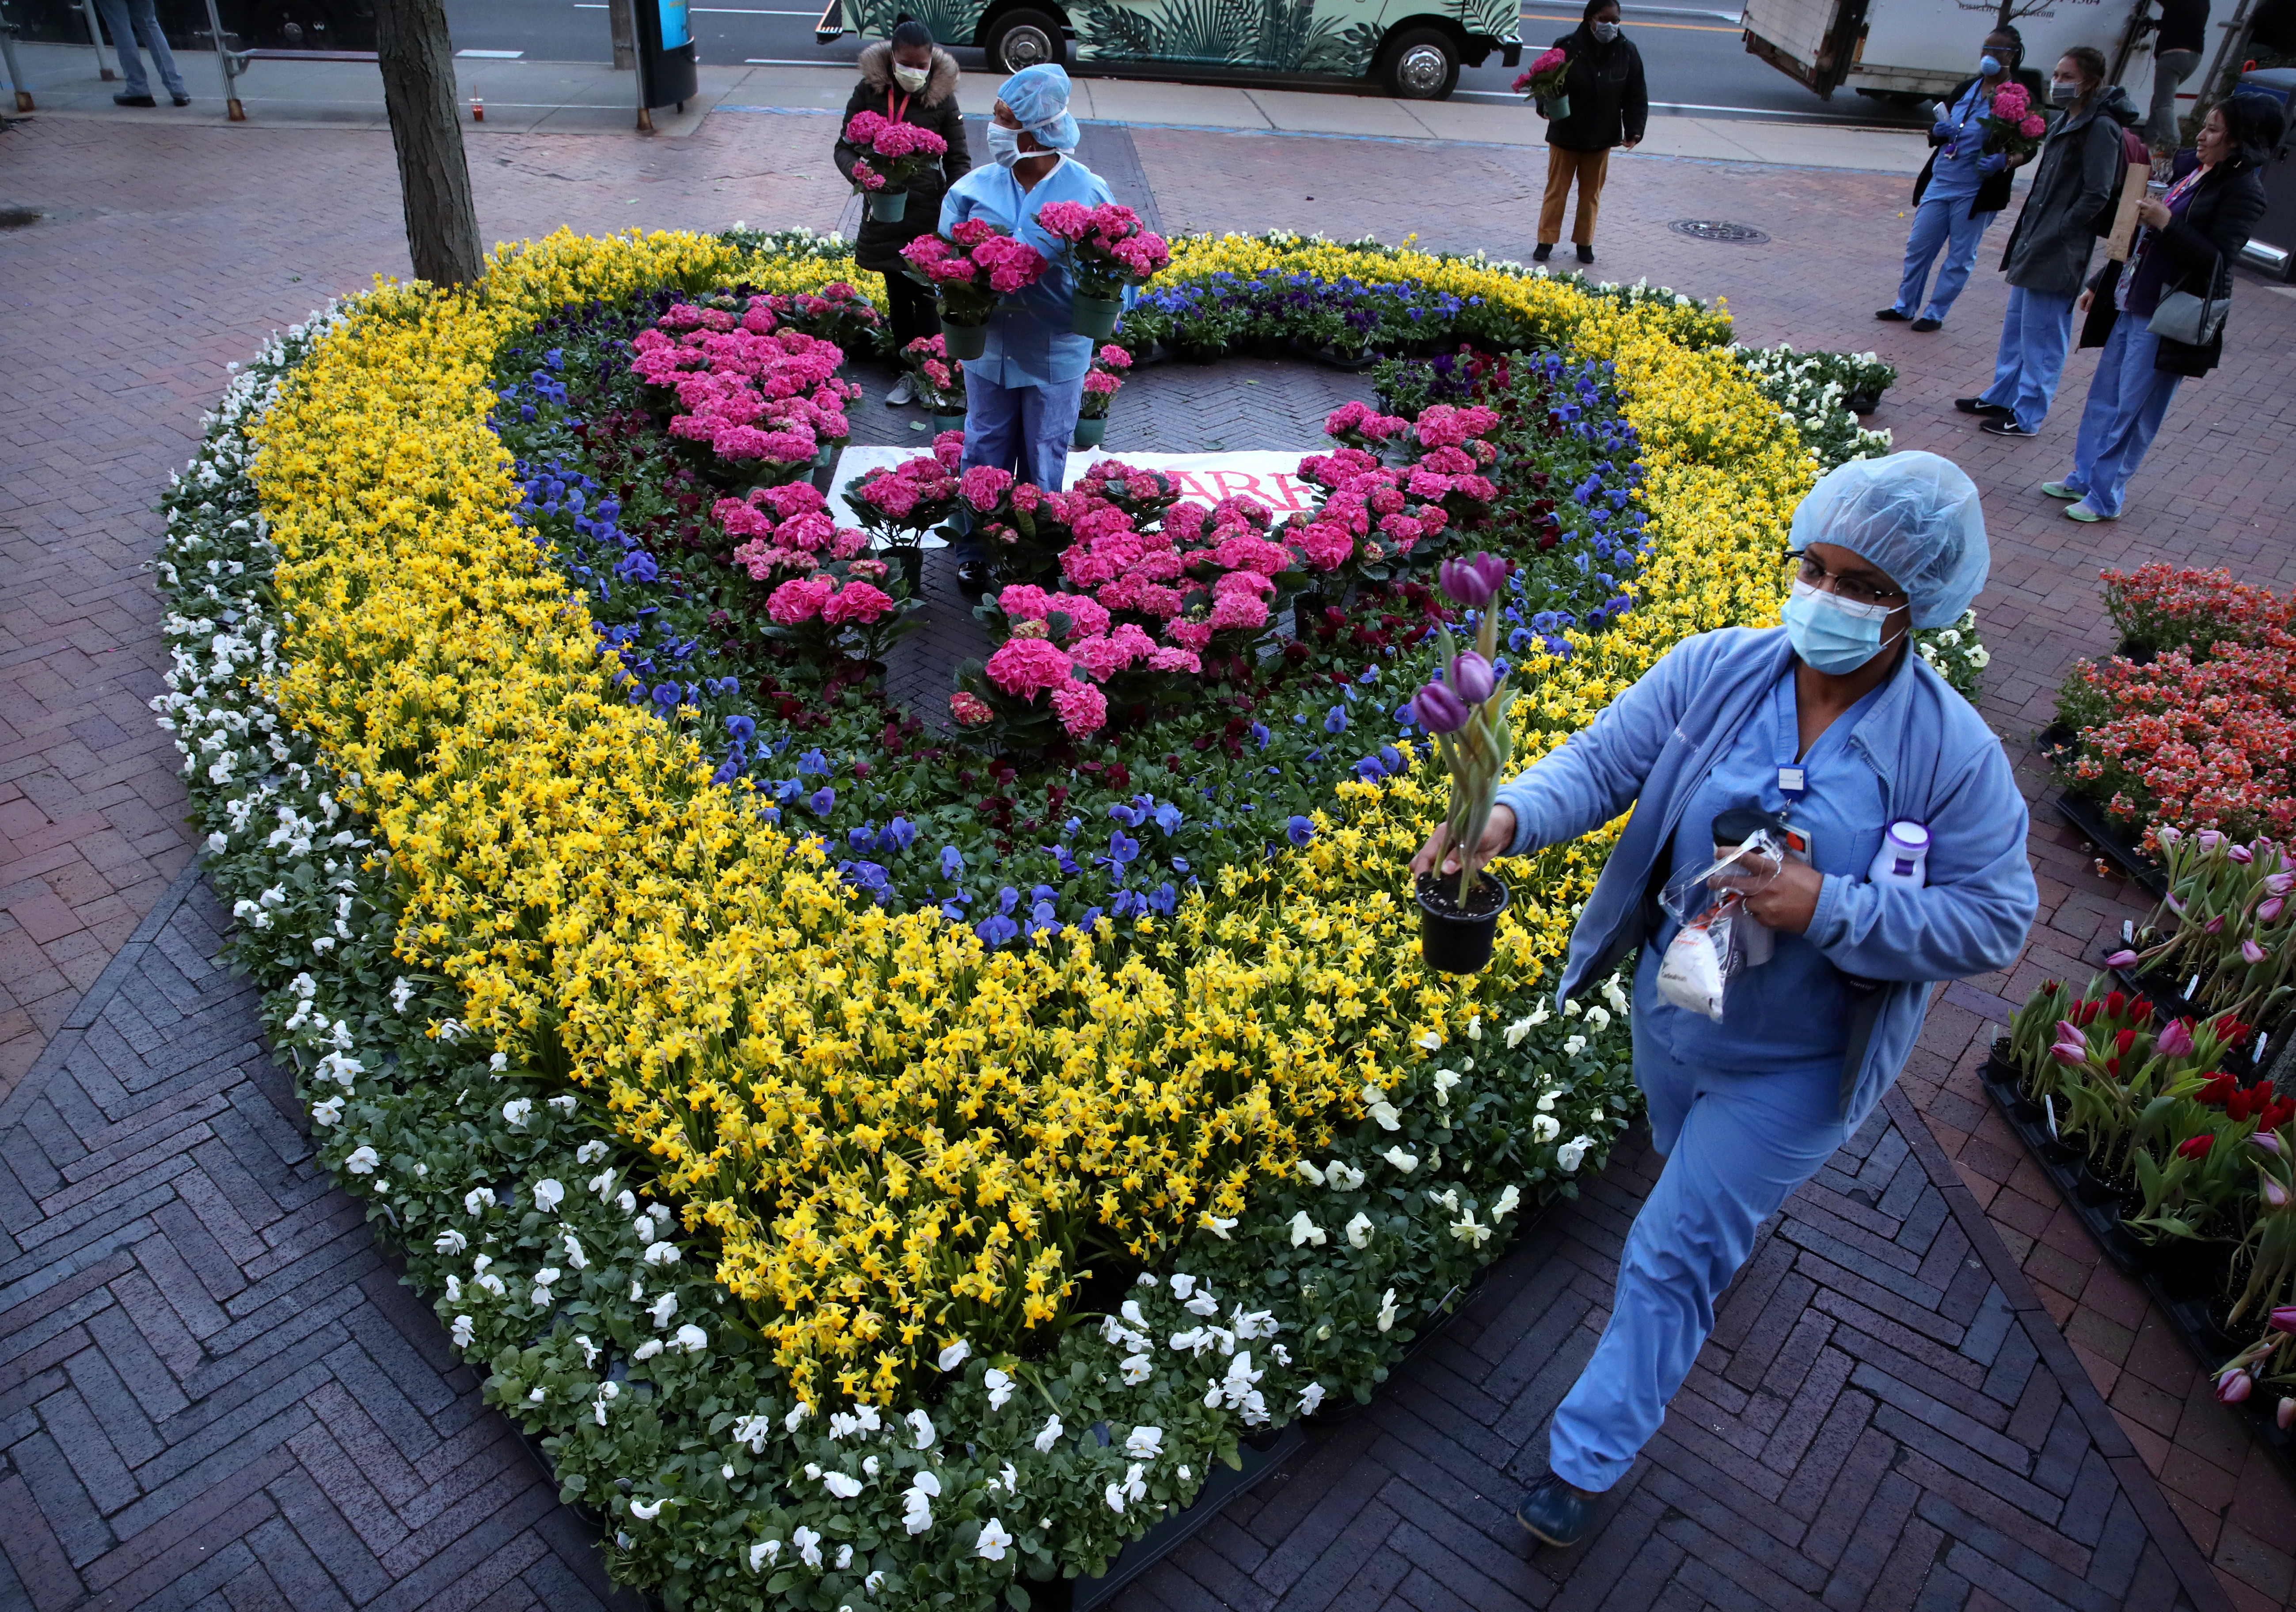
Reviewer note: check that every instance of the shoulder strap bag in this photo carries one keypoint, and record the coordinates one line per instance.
(2194, 321)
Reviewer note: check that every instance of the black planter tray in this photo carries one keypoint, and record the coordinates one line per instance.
(2109, 837)
(2189, 1317)
(1332, 359)
(2168, 995)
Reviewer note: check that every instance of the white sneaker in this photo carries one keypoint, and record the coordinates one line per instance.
(905, 390)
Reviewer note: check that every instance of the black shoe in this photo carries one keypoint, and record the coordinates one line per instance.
(1586, 253)
(1926, 325)
(133, 100)
(1977, 406)
(183, 100)
(1546, 250)
(973, 578)
(1891, 314)
(1553, 1513)
(2006, 427)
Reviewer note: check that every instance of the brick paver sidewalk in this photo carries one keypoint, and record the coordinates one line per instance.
(167, 254)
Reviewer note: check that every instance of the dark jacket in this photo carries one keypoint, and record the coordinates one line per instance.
(1610, 104)
(879, 244)
(2184, 25)
(2196, 249)
(1992, 189)
(2078, 173)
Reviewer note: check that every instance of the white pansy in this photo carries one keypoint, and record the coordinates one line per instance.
(1306, 1231)
(808, 1546)
(763, 1553)
(1507, 1202)
(1401, 1160)
(574, 1255)
(1144, 1443)
(1308, 1172)
(1219, 1226)
(1571, 1010)
(450, 1242)
(1387, 1310)
(1475, 1027)
(515, 1111)
(589, 1351)
(1444, 1079)
(692, 1338)
(993, 1541)
(841, 1484)
(1136, 1369)
(1183, 1284)
(1343, 1177)
(647, 1350)
(662, 1309)
(1359, 1231)
(1570, 1153)
(661, 1254)
(1049, 1435)
(1468, 1231)
(1130, 1310)
(1616, 995)
(548, 1194)
(1310, 1396)
(1429, 1041)
(1545, 1127)
(1575, 1046)
(646, 1510)
(590, 1153)
(1204, 1303)
(498, 1062)
(327, 1113)
(920, 1426)
(1146, 1278)
(752, 1431)
(999, 1386)
(954, 1355)
(1598, 1020)
(797, 1413)
(602, 1185)
(362, 1161)
(462, 1332)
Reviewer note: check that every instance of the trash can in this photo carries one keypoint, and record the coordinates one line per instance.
(667, 75)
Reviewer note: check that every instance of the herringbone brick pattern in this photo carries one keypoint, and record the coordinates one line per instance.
(213, 1389)
(1885, 1418)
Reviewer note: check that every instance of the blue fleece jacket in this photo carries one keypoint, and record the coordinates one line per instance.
(1935, 762)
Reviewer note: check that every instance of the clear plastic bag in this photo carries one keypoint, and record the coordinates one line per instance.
(1710, 948)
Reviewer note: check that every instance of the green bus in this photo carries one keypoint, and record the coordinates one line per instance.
(1412, 48)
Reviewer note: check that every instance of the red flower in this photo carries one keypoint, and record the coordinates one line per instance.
(2196, 1147)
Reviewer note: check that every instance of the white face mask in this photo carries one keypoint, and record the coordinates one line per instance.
(912, 78)
(1604, 32)
(1004, 144)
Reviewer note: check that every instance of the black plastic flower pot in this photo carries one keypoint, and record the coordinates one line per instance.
(1454, 940)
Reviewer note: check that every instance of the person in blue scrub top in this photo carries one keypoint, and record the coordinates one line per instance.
(1963, 189)
(1022, 395)
(1831, 721)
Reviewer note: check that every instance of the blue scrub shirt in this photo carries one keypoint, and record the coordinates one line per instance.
(1030, 341)
(1792, 1012)
(1956, 178)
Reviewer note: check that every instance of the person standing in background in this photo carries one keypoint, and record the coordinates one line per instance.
(2079, 178)
(2182, 34)
(1610, 106)
(1962, 188)
(1023, 393)
(2191, 239)
(905, 80)
(128, 22)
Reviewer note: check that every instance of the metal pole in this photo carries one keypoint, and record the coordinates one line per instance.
(223, 58)
(15, 72)
(95, 37)
(623, 23)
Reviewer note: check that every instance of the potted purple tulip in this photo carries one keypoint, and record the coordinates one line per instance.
(1466, 708)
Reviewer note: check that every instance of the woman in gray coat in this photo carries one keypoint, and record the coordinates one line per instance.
(2076, 180)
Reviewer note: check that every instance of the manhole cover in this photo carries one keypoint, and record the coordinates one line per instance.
(1715, 229)
(17, 218)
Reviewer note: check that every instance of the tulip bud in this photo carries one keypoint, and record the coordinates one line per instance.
(2285, 1414)
(2074, 1053)
(2268, 1141)
(2275, 1196)
(2215, 925)
(2249, 951)
(2234, 1385)
(2242, 854)
(1471, 678)
(2211, 840)
(2176, 1039)
(2280, 884)
(2269, 912)
(1440, 709)
(1467, 582)
(2123, 959)
(2283, 1319)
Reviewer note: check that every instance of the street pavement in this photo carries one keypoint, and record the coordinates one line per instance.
(159, 251)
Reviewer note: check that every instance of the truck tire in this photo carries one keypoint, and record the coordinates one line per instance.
(1421, 64)
(1024, 38)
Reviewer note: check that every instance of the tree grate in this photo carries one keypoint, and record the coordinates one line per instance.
(1715, 229)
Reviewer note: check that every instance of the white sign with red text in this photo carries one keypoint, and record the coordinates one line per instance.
(1266, 477)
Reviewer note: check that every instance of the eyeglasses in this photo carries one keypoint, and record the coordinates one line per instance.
(1854, 589)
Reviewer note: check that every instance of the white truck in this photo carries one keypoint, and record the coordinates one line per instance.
(1913, 51)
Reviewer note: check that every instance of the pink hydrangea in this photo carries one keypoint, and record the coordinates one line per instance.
(856, 603)
(970, 710)
(1441, 425)
(1116, 358)
(1171, 659)
(1100, 383)
(1238, 610)
(1081, 707)
(799, 599)
(1103, 657)
(1195, 635)
(2032, 125)
(984, 486)
(1327, 547)
(1025, 666)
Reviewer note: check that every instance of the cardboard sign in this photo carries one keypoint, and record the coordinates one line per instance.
(2124, 217)
(1266, 477)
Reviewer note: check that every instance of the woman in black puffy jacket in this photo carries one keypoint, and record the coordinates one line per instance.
(2191, 239)
(1609, 105)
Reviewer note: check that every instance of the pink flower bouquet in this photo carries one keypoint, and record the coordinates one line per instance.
(1109, 246)
(2011, 124)
(1543, 82)
(939, 382)
(974, 267)
(1101, 380)
(894, 153)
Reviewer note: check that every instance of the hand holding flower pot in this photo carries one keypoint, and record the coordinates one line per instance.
(975, 266)
(1465, 711)
(893, 155)
(1111, 250)
(1543, 82)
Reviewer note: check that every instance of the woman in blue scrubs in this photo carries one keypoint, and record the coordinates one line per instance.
(1830, 722)
(1022, 395)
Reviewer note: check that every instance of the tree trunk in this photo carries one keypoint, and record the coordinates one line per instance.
(434, 180)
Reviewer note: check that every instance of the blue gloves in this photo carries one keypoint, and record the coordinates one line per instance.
(1940, 133)
(1992, 163)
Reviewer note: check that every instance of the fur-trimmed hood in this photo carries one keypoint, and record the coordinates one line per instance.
(877, 71)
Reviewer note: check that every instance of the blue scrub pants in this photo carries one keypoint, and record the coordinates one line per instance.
(1939, 223)
(2127, 403)
(1736, 1146)
(1026, 430)
(2035, 336)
